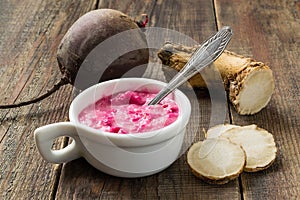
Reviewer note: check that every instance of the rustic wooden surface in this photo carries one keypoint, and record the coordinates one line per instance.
(30, 32)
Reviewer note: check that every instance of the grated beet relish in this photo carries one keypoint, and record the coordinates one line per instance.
(128, 112)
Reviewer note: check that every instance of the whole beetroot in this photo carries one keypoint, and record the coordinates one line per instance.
(90, 30)
(84, 35)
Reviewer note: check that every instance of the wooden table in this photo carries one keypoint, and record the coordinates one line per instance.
(30, 31)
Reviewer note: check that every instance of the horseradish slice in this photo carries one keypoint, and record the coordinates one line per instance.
(217, 130)
(216, 160)
(258, 144)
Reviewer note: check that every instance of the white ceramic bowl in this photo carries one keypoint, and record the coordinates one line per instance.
(123, 155)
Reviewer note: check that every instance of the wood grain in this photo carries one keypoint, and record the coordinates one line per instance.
(30, 33)
(194, 19)
(79, 180)
(269, 31)
(176, 182)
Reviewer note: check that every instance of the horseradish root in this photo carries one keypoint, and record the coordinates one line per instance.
(216, 160)
(258, 144)
(250, 83)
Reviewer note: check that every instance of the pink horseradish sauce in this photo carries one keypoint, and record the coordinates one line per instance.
(128, 112)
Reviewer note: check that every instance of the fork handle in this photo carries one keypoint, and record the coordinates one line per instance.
(208, 52)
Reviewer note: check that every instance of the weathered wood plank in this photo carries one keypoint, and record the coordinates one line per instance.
(269, 31)
(195, 19)
(80, 180)
(30, 32)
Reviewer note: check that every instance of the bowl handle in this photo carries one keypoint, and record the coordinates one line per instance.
(45, 136)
